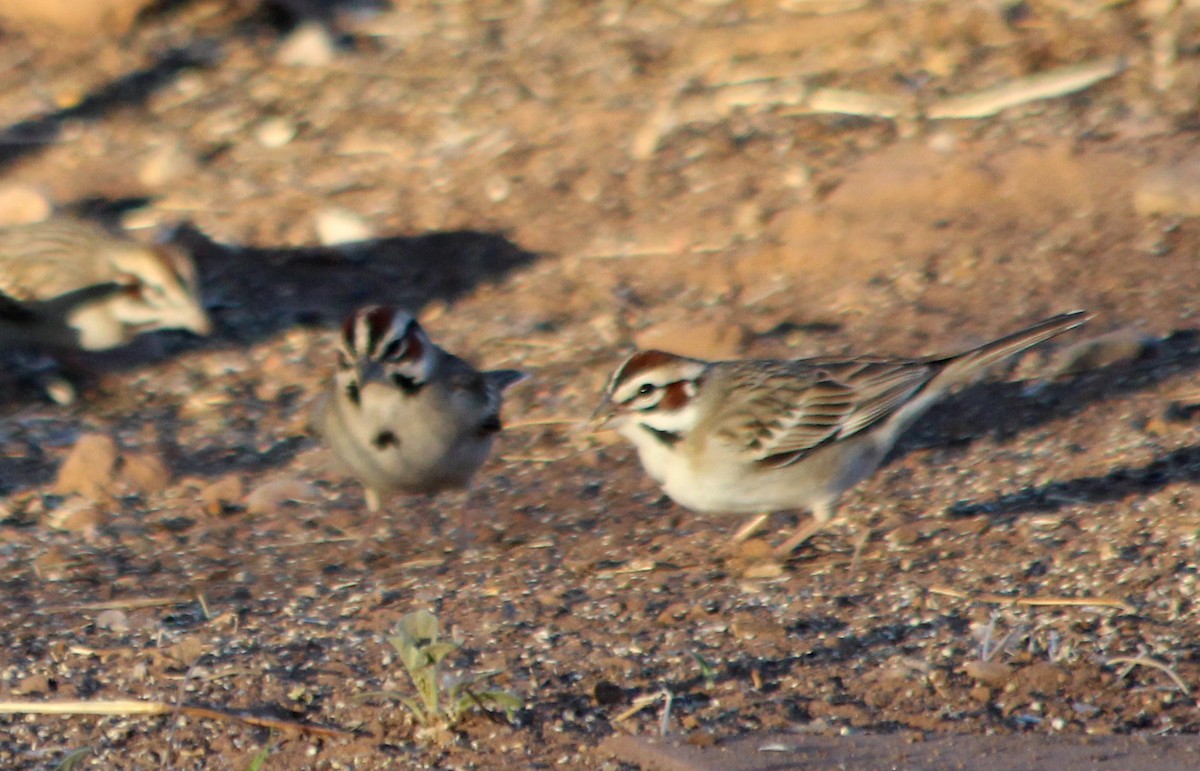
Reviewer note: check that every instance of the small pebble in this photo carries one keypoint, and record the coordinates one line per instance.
(113, 620)
(145, 473)
(1172, 190)
(20, 204)
(275, 132)
(222, 493)
(309, 45)
(75, 515)
(270, 498)
(88, 469)
(337, 226)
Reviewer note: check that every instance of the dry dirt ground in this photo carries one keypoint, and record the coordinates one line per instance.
(549, 184)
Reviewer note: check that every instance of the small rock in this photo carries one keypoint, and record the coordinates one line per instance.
(704, 339)
(165, 163)
(762, 570)
(993, 673)
(1170, 190)
(338, 226)
(589, 187)
(904, 535)
(60, 391)
(52, 564)
(20, 204)
(274, 133)
(145, 473)
(88, 469)
(755, 549)
(270, 497)
(31, 685)
(748, 220)
(113, 620)
(309, 45)
(749, 627)
(673, 613)
(222, 493)
(981, 694)
(497, 188)
(76, 515)
(186, 651)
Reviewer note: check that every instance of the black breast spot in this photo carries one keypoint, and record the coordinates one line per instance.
(385, 439)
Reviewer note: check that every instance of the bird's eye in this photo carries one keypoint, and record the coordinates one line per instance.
(647, 388)
(393, 350)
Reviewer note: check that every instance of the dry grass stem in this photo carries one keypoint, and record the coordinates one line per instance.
(130, 604)
(1000, 599)
(1146, 661)
(118, 707)
(1044, 85)
(545, 422)
(641, 702)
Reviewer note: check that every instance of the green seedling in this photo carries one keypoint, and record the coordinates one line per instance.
(73, 759)
(260, 757)
(707, 671)
(442, 698)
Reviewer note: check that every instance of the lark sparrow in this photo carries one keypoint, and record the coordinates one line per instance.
(759, 436)
(403, 414)
(71, 284)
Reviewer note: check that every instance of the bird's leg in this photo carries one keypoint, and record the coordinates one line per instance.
(822, 513)
(858, 549)
(372, 498)
(750, 528)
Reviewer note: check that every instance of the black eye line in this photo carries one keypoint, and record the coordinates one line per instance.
(394, 350)
(406, 384)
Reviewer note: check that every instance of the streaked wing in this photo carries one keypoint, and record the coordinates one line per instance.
(880, 387)
(789, 408)
(51, 258)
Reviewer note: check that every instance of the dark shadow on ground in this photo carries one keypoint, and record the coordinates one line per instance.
(254, 293)
(1182, 465)
(1007, 410)
(135, 88)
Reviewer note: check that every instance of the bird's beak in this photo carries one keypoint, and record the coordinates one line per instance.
(369, 371)
(202, 324)
(603, 416)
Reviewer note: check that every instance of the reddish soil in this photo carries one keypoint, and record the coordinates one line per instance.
(549, 185)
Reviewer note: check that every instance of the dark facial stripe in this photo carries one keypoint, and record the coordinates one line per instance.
(669, 438)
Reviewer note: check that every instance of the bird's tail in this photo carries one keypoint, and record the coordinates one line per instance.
(965, 366)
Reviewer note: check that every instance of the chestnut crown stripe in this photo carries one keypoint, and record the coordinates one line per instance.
(639, 363)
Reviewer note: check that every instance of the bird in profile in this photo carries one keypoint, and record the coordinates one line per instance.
(758, 436)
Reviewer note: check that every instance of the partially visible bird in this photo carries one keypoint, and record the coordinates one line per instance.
(757, 436)
(71, 284)
(404, 415)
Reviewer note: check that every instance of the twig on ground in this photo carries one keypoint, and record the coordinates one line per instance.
(1146, 661)
(1000, 599)
(140, 707)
